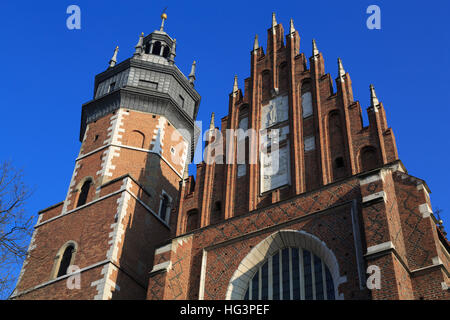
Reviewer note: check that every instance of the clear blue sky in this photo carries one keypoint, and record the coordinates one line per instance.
(48, 71)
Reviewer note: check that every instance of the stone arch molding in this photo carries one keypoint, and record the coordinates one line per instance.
(267, 247)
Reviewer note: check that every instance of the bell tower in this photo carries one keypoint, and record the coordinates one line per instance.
(137, 139)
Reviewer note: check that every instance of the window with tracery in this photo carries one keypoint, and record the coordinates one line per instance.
(291, 274)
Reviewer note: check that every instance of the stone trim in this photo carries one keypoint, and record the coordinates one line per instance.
(372, 178)
(166, 266)
(385, 246)
(71, 186)
(425, 210)
(163, 249)
(201, 294)
(374, 196)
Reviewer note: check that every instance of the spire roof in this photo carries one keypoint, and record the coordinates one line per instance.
(113, 60)
(235, 85)
(274, 20)
(291, 27)
(315, 49)
(212, 125)
(373, 97)
(256, 43)
(341, 68)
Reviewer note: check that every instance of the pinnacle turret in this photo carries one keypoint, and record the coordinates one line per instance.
(113, 60)
(373, 97)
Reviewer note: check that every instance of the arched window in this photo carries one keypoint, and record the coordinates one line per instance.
(336, 144)
(156, 48)
(147, 47)
(65, 260)
(84, 192)
(287, 264)
(136, 139)
(369, 158)
(164, 207)
(166, 51)
(192, 220)
(291, 274)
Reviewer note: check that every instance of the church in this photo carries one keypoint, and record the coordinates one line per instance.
(295, 198)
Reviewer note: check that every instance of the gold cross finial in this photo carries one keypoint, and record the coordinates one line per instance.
(163, 17)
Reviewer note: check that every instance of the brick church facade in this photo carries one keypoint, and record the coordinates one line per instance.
(339, 217)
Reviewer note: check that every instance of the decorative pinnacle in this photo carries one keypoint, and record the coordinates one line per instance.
(235, 85)
(212, 125)
(373, 97)
(274, 20)
(341, 68)
(315, 49)
(256, 43)
(192, 74)
(292, 29)
(139, 46)
(113, 60)
(172, 53)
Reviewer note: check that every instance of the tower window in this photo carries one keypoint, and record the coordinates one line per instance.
(181, 102)
(164, 207)
(84, 193)
(166, 52)
(156, 48)
(65, 261)
(111, 87)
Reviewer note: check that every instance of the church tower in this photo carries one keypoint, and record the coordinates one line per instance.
(137, 138)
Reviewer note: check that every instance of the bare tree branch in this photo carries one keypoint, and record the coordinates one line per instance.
(15, 226)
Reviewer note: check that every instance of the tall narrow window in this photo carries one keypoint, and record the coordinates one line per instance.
(266, 85)
(164, 207)
(336, 144)
(181, 102)
(283, 77)
(65, 260)
(84, 193)
(166, 52)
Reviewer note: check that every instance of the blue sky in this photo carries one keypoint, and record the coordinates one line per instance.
(48, 71)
